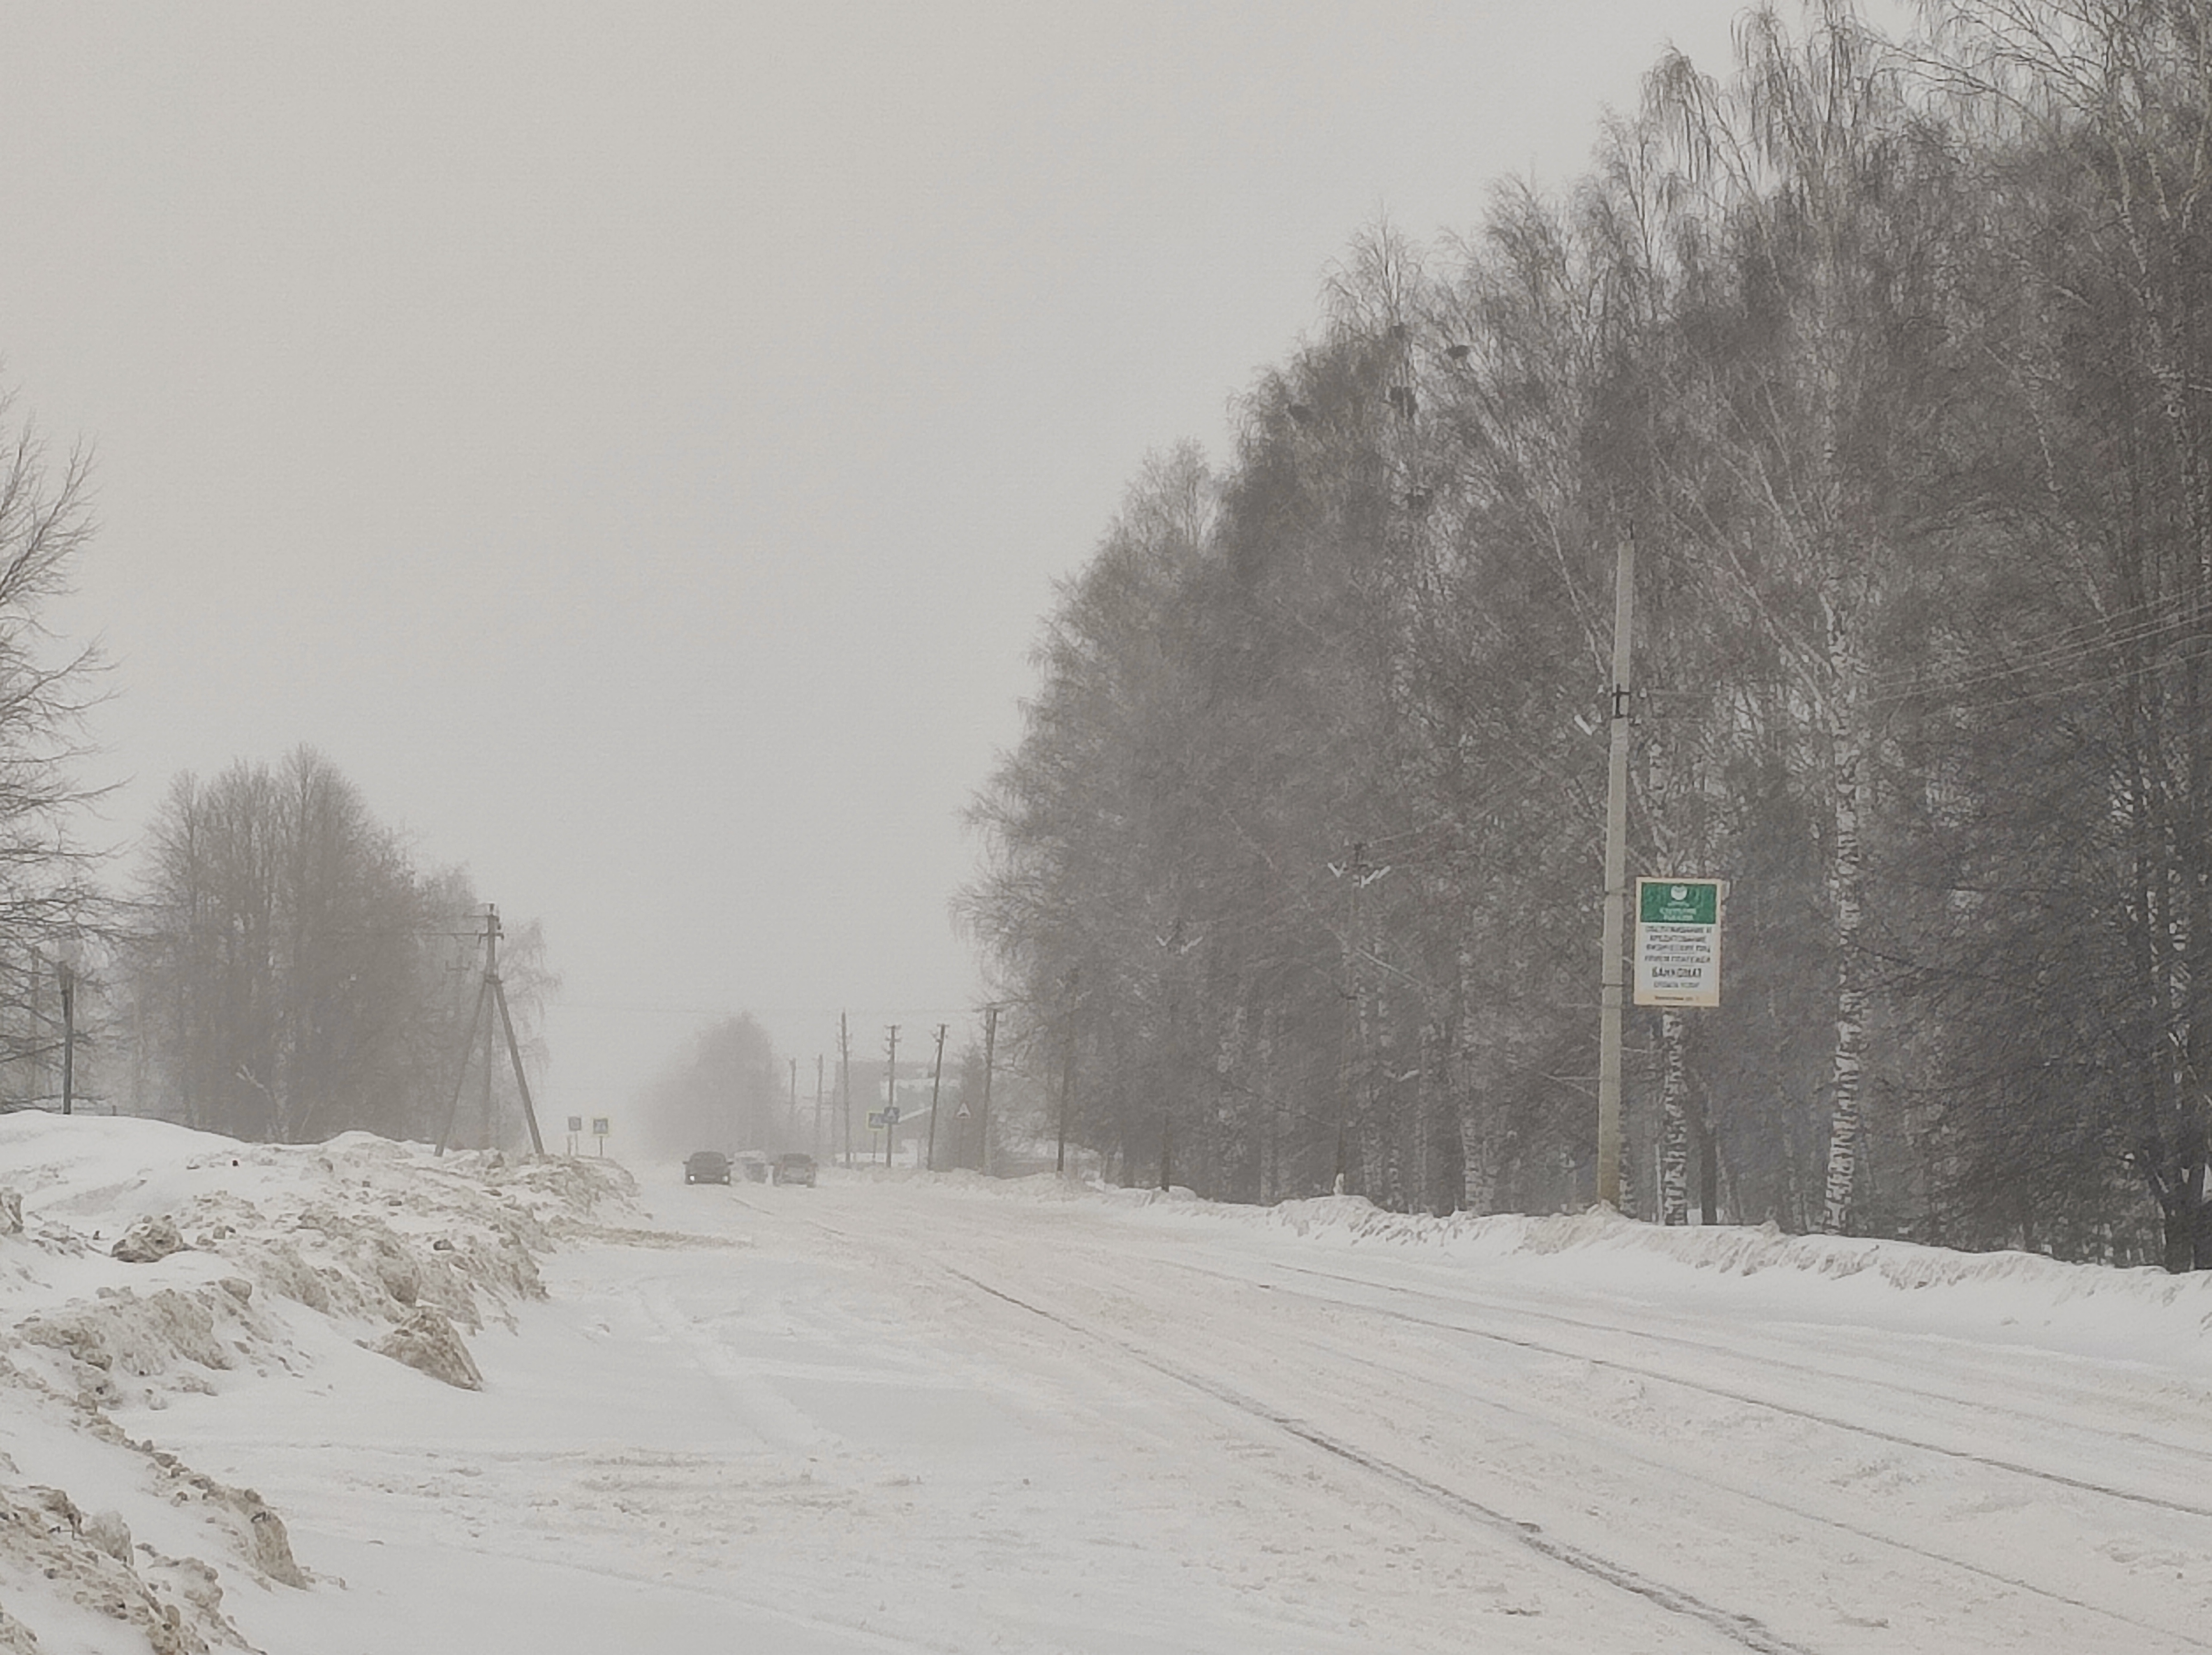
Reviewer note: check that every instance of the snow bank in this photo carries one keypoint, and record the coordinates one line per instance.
(1740, 1251)
(2011, 1297)
(140, 1260)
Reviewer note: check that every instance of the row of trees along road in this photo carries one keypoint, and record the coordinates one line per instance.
(1896, 360)
(49, 898)
(284, 973)
(287, 973)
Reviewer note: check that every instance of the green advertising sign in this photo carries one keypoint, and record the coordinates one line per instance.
(1678, 942)
(1678, 902)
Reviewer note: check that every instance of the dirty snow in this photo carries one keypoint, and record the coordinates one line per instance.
(353, 1398)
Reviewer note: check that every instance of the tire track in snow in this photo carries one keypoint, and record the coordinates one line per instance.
(2180, 1639)
(1744, 1630)
(779, 1425)
(1789, 1409)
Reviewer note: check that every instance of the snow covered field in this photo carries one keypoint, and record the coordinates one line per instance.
(898, 1413)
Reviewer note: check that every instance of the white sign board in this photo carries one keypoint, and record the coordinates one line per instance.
(1678, 942)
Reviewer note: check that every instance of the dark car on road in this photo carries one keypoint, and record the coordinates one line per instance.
(794, 1168)
(706, 1166)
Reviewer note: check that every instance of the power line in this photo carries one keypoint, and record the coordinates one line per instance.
(2049, 656)
(735, 1010)
(2046, 692)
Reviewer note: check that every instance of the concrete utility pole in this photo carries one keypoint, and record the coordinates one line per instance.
(1357, 1082)
(1174, 944)
(1066, 1074)
(936, 1085)
(1616, 887)
(1356, 1065)
(890, 1095)
(983, 1111)
(794, 1116)
(818, 1105)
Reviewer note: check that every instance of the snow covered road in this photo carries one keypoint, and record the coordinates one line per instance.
(896, 1413)
(1602, 1438)
(891, 1415)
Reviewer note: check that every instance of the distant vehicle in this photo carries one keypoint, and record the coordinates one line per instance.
(755, 1167)
(795, 1168)
(706, 1166)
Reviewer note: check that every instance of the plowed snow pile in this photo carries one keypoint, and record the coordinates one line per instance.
(139, 1261)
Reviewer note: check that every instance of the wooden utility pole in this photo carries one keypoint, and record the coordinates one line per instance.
(460, 1079)
(890, 1095)
(1610, 984)
(490, 1057)
(491, 991)
(845, 1083)
(936, 1085)
(818, 1150)
(983, 1111)
(507, 1022)
(792, 1116)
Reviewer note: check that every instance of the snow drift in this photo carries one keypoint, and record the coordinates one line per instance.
(139, 1261)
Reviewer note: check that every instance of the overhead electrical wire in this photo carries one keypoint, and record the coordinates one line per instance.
(2051, 657)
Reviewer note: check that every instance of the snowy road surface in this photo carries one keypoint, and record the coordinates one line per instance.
(897, 1413)
(887, 1415)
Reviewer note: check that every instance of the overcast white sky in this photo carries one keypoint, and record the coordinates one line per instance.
(635, 443)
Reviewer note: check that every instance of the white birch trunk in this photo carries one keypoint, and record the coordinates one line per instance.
(1847, 1074)
(1674, 1123)
(1475, 1156)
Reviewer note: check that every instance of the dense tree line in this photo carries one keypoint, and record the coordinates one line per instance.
(50, 902)
(287, 973)
(1895, 361)
(283, 970)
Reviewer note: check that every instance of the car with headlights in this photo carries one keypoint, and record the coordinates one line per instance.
(706, 1166)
